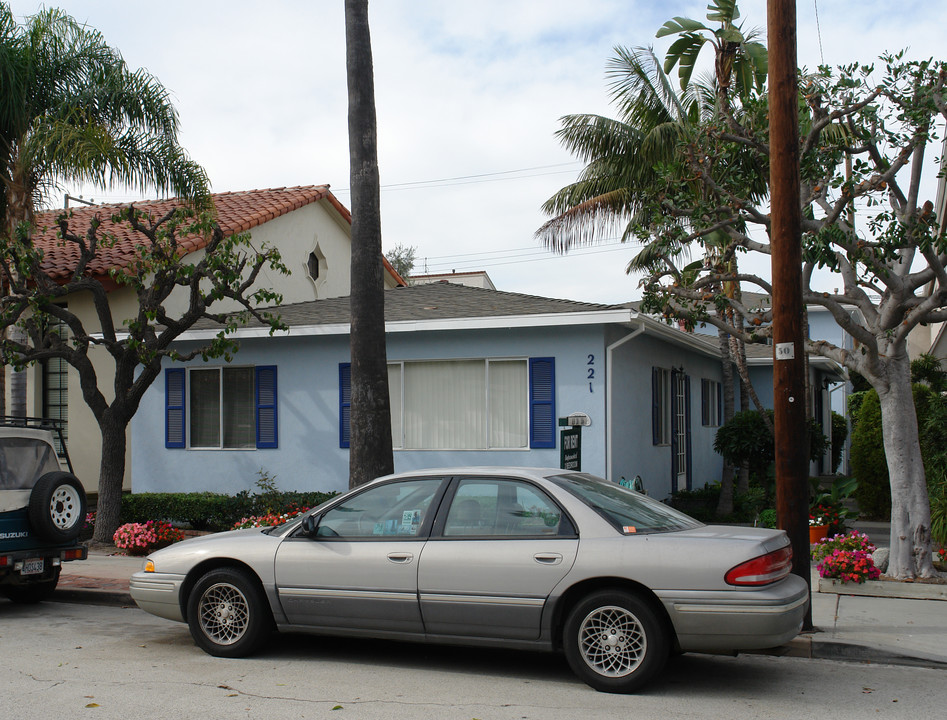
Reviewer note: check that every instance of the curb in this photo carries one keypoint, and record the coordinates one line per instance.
(810, 647)
(91, 596)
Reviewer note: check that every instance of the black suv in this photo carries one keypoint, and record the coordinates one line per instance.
(42, 509)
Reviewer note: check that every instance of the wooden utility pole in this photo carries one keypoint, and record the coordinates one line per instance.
(789, 379)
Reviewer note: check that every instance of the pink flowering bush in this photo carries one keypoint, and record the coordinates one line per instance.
(255, 521)
(143, 538)
(853, 541)
(849, 566)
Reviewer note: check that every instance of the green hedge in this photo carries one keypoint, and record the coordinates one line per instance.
(213, 511)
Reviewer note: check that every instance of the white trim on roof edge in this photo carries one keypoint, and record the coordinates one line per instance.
(592, 317)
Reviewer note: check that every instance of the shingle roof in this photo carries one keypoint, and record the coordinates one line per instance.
(433, 301)
(236, 212)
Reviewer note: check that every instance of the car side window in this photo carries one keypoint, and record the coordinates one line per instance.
(395, 509)
(488, 507)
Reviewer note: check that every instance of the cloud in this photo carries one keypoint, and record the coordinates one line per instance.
(462, 89)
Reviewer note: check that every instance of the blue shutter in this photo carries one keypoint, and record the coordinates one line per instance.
(267, 419)
(542, 403)
(345, 403)
(719, 404)
(174, 410)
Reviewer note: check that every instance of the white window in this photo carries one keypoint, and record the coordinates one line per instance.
(710, 394)
(222, 409)
(661, 406)
(459, 404)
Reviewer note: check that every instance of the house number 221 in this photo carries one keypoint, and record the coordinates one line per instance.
(591, 371)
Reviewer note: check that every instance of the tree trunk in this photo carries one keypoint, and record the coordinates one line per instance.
(370, 427)
(19, 213)
(111, 476)
(18, 377)
(911, 553)
(725, 503)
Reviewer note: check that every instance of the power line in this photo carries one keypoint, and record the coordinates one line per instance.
(606, 242)
(439, 268)
(472, 179)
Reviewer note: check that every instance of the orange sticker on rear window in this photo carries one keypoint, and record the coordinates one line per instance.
(630, 529)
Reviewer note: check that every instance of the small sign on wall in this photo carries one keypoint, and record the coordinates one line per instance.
(570, 448)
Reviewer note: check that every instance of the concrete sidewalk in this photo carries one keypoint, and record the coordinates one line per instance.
(894, 630)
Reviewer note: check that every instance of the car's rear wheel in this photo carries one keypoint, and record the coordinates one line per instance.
(614, 641)
(227, 613)
(33, 592)
(57, 507)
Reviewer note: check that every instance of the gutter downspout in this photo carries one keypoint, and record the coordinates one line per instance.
(608, 396)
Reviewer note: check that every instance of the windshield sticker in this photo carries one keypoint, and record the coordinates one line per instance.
(629, 529)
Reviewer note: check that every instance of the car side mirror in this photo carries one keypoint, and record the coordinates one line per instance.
(309, 524)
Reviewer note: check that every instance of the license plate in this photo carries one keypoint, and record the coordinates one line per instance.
(33, 566)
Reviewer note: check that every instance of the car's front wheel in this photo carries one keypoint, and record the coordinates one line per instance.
(227, 613)
(614, 641)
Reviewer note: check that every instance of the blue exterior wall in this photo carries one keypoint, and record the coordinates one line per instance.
(633, 450)
(309, 456)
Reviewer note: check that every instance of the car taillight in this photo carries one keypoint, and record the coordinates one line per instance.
(6, 560)
(762, 570)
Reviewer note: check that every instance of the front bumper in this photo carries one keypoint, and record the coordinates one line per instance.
(738, 619)
(158, 593)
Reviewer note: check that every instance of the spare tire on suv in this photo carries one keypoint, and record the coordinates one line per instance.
(57, 507)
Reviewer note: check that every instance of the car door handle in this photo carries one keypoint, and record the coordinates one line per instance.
(548, 558)
(401, 558)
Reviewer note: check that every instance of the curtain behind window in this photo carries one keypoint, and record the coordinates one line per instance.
(205, 408)
(508, 401)
(444, 407)
(239, 425)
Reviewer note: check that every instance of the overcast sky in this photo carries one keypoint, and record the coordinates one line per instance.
(469, 96)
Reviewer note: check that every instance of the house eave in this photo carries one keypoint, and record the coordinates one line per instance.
(622, 315)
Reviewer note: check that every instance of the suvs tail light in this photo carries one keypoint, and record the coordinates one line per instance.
(762, 570)
(6, 560)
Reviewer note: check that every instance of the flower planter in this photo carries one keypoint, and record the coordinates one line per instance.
(885, 588)
(817, 532)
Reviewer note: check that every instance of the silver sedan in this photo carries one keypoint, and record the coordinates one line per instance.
(524, 558)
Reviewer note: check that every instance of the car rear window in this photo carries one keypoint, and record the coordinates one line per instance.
(23, 461)
(630, 512)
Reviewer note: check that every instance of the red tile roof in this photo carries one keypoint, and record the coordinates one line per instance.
(236, 212)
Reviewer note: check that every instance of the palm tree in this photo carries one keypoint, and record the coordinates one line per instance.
(627, 159)
(370, 419)
(735, 52)
(623, 157)
(71, 110)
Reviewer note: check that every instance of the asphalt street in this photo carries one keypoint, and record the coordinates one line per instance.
(106, 662)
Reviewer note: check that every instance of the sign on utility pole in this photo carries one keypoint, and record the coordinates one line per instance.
(789, 379)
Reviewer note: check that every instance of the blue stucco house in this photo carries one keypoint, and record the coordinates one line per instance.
(477, 377)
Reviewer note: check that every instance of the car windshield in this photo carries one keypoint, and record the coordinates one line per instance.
(630, 512)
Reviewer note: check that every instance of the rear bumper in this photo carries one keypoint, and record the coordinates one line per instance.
(12, 562)
(738, 619)
(158, 594)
